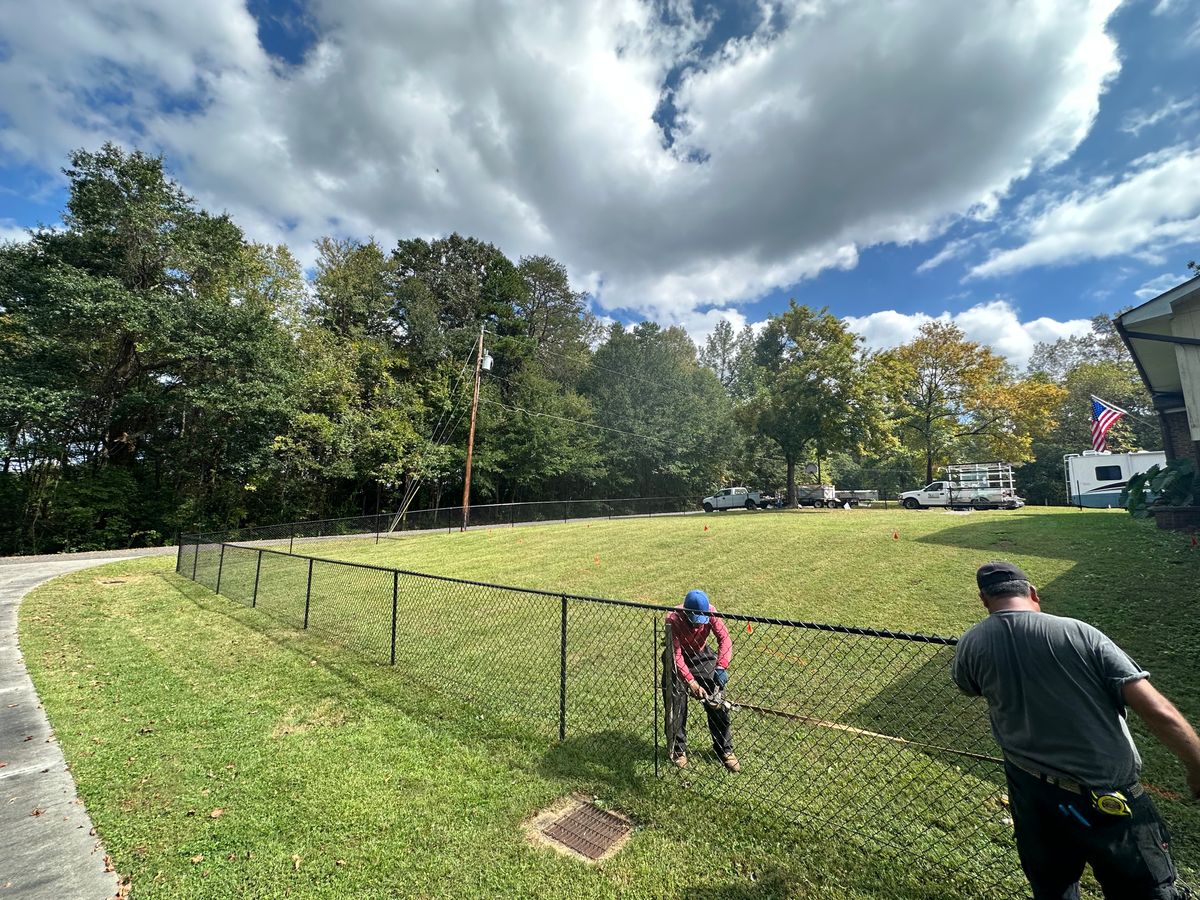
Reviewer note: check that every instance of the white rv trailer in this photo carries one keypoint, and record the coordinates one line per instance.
(1097, 479)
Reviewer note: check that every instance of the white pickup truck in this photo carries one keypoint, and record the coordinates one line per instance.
(733, 498)
(968, 486)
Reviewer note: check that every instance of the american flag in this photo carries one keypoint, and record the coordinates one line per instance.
(1104, 417)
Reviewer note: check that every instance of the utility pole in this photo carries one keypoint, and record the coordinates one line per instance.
(466, 504)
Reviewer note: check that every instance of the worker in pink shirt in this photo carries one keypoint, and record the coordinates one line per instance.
(691, 667)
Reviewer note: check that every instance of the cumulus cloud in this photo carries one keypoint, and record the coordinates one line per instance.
(996, 324)
(1154, 207)
(538, 131)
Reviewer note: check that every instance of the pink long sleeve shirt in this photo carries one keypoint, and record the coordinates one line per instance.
(690, 639)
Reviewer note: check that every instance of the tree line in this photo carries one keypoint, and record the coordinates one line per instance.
(159, 372)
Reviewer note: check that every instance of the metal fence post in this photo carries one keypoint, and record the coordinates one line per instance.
(196, 557)
(308, 592)
(292, 537)
(178, 554)
(257, 571)
(668, 688)
(395, 596)
(562, 675)
(655, 687)
(220, 569)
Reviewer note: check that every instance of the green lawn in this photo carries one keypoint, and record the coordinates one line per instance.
(171, 703)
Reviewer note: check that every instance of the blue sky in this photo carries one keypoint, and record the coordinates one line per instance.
(1018, 165)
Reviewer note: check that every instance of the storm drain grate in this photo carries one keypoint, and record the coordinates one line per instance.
(585, 829)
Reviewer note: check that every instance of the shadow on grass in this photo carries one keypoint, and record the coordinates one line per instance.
(616, 758)
(766, 887)
(613, 761)
(1136, 584)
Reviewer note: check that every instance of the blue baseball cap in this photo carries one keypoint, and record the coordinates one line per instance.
(695, 605)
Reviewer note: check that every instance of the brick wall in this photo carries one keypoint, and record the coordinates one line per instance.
(1177, 439)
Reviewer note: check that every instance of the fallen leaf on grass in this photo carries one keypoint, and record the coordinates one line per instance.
(296, 857)
(341, 862)
(198, 858)
(216, 813)
(108, 866)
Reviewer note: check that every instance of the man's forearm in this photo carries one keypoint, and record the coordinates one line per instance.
(1177, 735)
(1165, 722)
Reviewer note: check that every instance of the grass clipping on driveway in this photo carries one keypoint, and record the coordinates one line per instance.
(221, 754)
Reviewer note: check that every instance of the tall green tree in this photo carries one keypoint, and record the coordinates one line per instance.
(145, 349)
(814, 395)
(668, 421)
(352, 288)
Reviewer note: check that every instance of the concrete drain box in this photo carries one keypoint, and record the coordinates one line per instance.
(577, 827)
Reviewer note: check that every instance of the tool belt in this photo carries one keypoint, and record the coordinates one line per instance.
(1111, 802)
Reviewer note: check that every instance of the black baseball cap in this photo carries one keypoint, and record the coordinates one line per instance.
(998, 571)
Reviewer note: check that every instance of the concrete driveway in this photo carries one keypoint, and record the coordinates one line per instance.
(48, 850)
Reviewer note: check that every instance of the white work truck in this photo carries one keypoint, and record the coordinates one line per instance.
(733, 498)
(968, 486)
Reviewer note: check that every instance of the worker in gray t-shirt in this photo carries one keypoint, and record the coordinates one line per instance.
(1057, 690)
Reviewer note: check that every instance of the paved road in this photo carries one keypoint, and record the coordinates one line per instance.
(47, 849)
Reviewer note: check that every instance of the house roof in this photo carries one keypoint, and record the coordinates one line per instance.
(1154, 330)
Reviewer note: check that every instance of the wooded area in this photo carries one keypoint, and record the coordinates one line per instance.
(161, 372)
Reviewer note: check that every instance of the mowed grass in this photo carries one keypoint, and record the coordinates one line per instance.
(172, 703)
(222, 754)
(891, 569)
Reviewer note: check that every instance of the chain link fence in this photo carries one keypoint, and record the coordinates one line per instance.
(449, 518)
(855, 734)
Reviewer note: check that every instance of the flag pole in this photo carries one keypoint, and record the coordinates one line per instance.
(1123, 412)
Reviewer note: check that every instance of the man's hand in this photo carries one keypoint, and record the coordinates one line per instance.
(721, 677)
(695, 690)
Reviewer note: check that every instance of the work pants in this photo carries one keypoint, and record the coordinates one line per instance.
(1058, 832)
(675, 701)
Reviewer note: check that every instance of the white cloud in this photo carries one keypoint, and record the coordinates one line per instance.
(537, 131)
(699, 325)
(950, 251)
(996, 324)
(1159, 285)
(1155, 207)
(1139, 119)
(10, 231)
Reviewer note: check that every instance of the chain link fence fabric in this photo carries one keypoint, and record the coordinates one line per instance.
(856, 734)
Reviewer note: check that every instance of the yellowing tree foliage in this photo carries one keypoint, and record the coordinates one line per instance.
(956, 398)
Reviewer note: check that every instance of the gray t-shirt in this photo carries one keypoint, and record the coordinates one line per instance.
(1054, 693)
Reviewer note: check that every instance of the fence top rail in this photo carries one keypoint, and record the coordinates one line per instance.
(942, 640)
(433, 509)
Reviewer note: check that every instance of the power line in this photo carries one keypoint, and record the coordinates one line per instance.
(545, 415)
(586, 363)
(437, 436)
